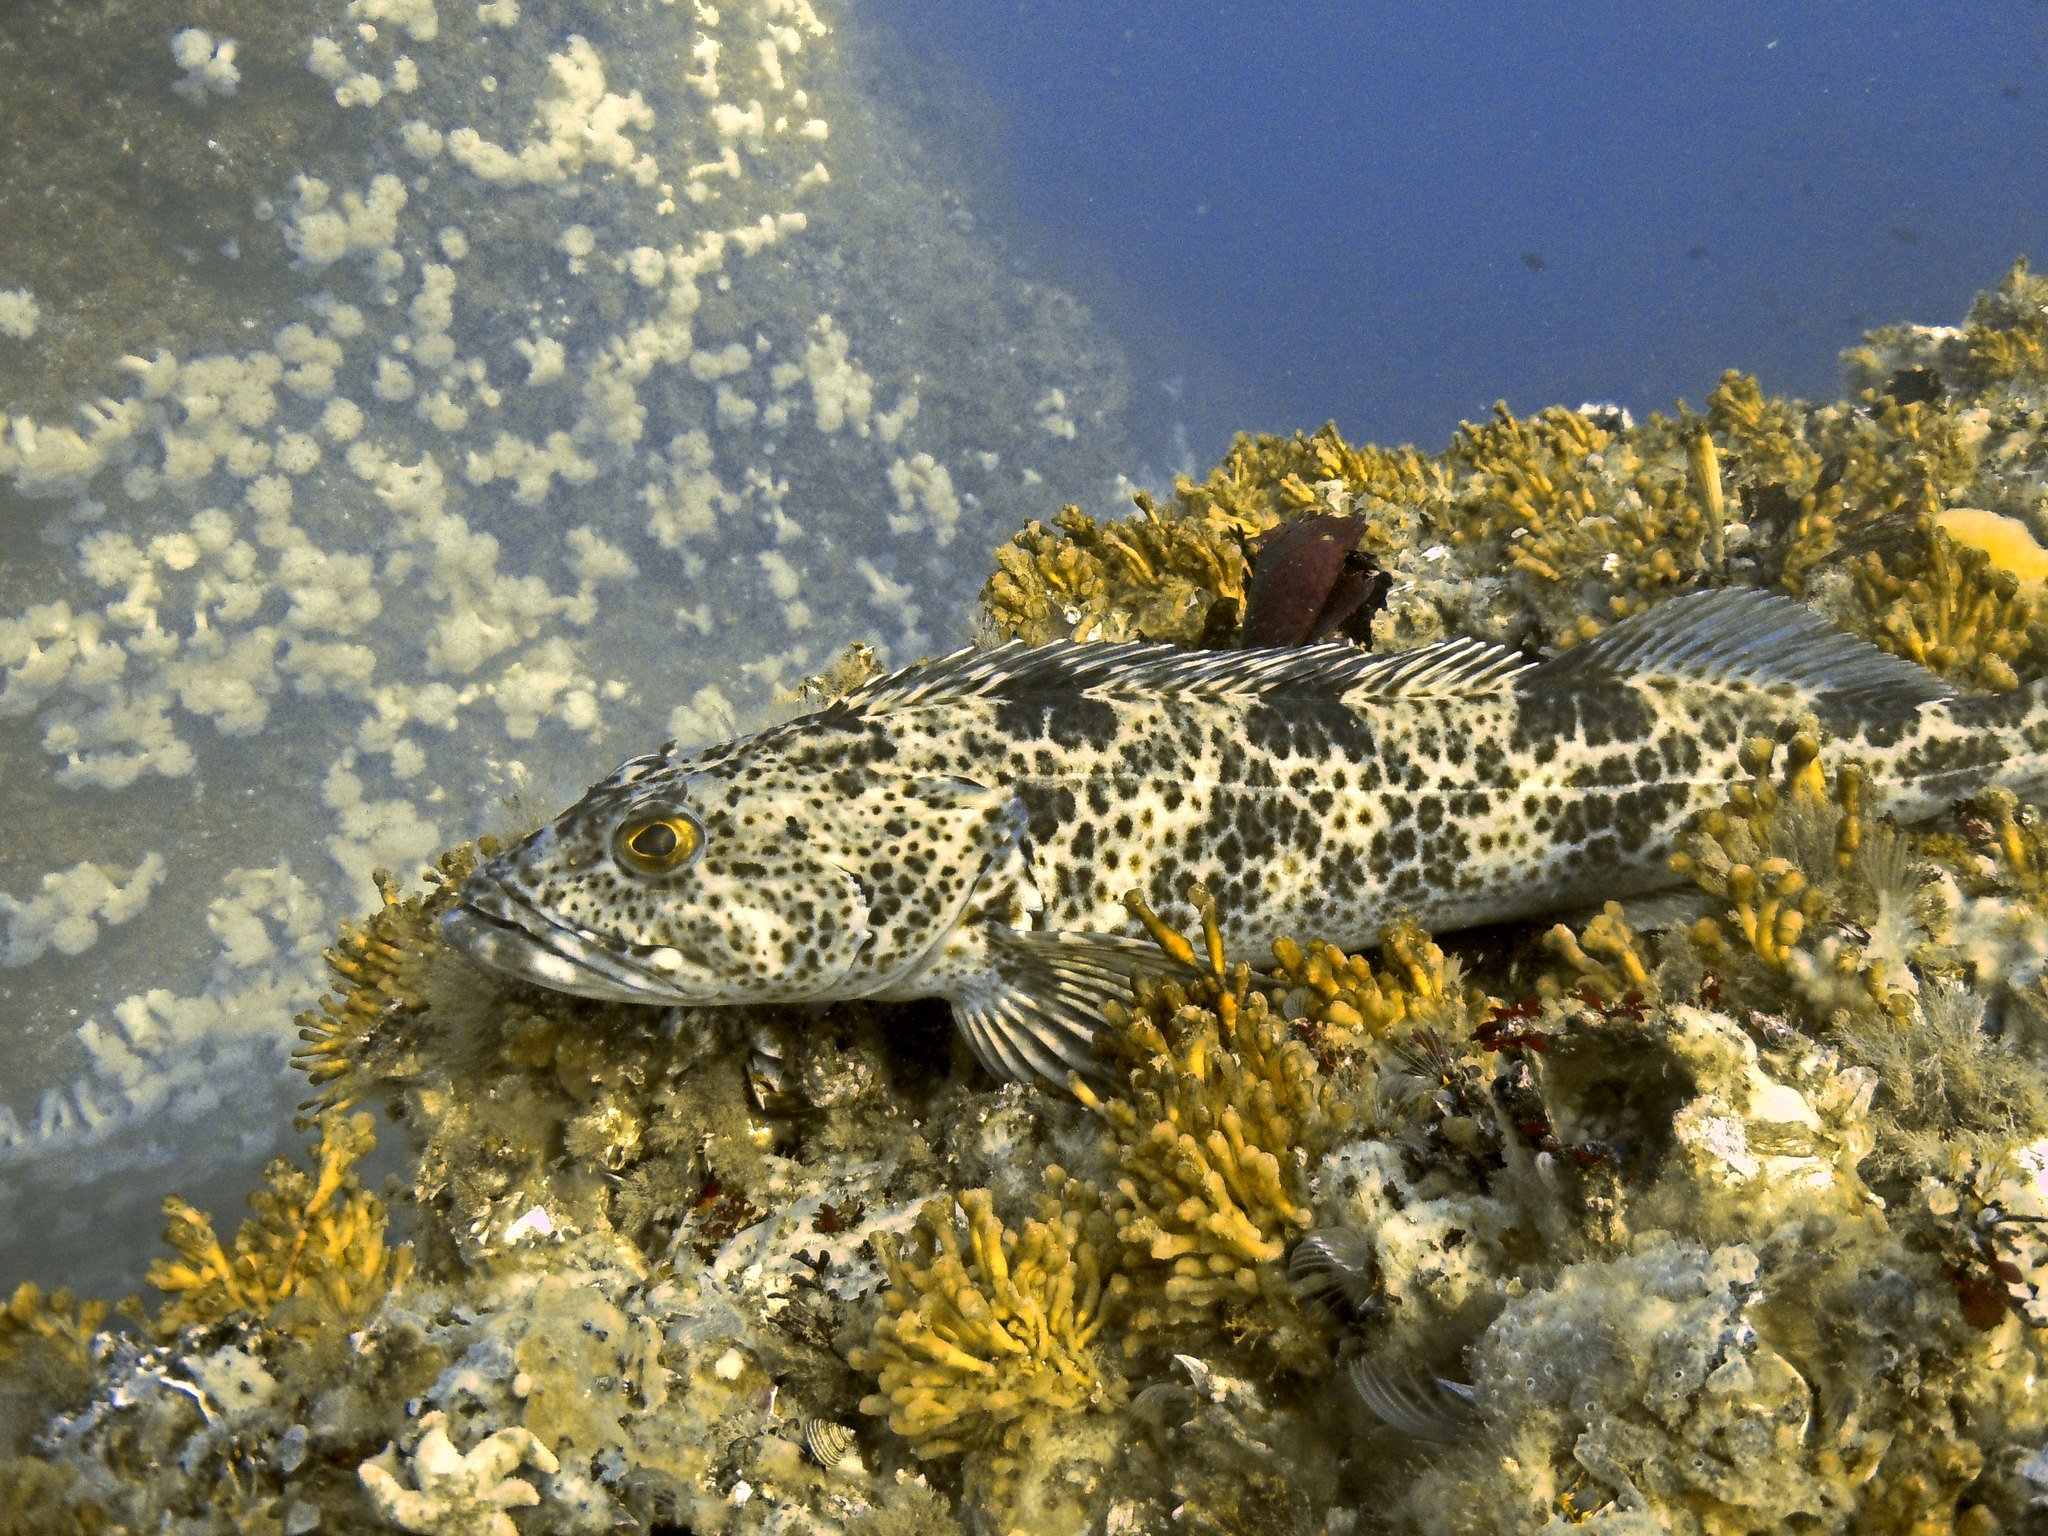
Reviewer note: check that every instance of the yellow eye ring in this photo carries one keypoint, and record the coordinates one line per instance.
(659, 844)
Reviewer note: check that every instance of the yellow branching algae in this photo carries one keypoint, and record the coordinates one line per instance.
(57, 1323)
(1335, 998)
(1950, 606)
(982, 1336)
(1756, 853)
(317, 1238)
(1606, 955)
(361, 1033)
(2003, 344)
(1158, 576)
(1211, 1143)
(1264, 480)
(988, 1336)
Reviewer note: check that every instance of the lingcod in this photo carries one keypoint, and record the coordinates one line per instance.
(967, 828)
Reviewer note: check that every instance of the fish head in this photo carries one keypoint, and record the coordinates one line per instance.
(748, 877)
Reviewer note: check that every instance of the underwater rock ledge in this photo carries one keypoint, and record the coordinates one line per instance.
(1737, 1226)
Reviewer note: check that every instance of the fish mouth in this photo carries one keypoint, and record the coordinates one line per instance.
(502, 933)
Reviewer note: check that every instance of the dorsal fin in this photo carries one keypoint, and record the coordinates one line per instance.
(1742, 635)
(1136, 670)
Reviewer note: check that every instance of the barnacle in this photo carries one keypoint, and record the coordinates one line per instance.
(362, 1034)
(1211, 1136)
(1336, 1266)
(1950, 607)
(988, 1334)
(317, 1237)
(1162, 575)
(1422, 1407)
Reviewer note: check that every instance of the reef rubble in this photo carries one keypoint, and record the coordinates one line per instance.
(1731, 1224)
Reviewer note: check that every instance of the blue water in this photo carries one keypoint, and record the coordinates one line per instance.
(1393, 215)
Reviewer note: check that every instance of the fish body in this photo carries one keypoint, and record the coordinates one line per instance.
(968, 828)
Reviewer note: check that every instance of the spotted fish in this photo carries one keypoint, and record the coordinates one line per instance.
(966, 828)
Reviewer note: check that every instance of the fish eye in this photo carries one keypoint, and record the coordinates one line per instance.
(657, 844)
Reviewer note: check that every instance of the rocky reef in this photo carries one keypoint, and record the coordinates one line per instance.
(1735, 1223)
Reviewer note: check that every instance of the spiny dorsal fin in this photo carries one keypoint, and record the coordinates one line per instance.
(1132, 669)
(1741, 635)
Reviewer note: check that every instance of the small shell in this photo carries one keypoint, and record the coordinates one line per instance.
(831, 1446)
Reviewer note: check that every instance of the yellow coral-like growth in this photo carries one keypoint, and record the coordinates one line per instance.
(319, 1236)
(2020, 844)
(2006, 338)
(1344, 1000)
(2002, 344)
(56, 1324)
(1762, 435)
(1212, 1137)
(1897, 459)
(1747, 851)
(989, 1334)
(1949, 607)
(1162, 575)
(1610, 522)
(1793, 845)
(2001, 849)
(1605, 955)
(1776, 475)
(356, 1036)
(1265, 480)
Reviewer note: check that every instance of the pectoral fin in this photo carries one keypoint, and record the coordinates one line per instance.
(1033, 1014)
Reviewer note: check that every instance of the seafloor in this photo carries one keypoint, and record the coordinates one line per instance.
(1734, 1226)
